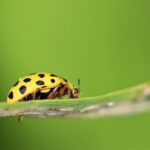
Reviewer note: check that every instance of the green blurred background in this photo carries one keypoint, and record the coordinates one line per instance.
(103, 42)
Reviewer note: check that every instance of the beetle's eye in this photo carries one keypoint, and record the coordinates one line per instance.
(76, 91)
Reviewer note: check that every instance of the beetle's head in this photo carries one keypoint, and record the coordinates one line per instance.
(76, 91)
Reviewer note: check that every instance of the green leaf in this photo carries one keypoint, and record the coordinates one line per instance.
(127, 101)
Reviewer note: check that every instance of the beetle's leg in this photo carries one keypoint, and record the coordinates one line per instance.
(63, 90)
(59, 91)
(55, 92)
(69, 91)
(68, 94)
(36, 94)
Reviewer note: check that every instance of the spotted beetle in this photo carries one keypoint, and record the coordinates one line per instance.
(39, 86)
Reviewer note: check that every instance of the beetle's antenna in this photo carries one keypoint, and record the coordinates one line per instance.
(78, 84)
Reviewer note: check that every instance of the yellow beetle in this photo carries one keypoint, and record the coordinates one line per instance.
(40, 86)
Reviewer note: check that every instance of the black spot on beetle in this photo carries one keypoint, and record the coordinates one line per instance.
(22, 89)
(27, 80)
(16, 83)
(40, 82)
(53, 75)
(65, 80)
(41, 75)
(53, 80)
(11, 95)
(43, 86)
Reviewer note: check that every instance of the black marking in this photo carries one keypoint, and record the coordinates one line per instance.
(60, 86)
(27, 80)
(16, 83)
(44, 95)
(58, 89)
(41, 75)
(53, 75)
(24, 99)
(37, 94)
(51, 90)
(71, 94)
(11, 95)
(65, 80)
(32, 73)
(43, 86)
(40, 95)
(53, 80)
(28, 97)
(40, 82)
(22, 89)
(66, 90)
